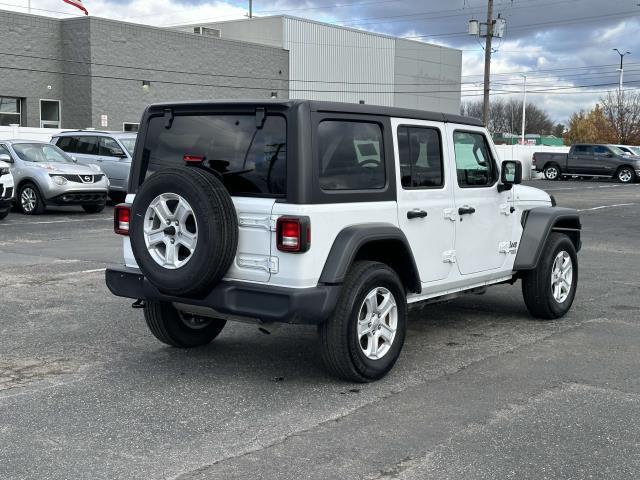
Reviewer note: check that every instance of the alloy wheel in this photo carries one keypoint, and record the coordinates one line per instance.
(551, 173)
(170, 231)
(377, 323)
(28, 199)
(561, 276)
(625, 175)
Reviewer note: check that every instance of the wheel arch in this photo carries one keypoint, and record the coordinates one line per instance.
(381, 242)
(538, 223)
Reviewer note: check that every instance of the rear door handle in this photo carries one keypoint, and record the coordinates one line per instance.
(466, 210)
(416, 214)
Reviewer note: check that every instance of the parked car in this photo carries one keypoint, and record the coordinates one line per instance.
(111, 151)
(338, 215)
(6, 186)
(588, 160)
(45, 175)
(629, 150)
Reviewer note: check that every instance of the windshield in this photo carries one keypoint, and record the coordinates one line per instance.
(635, 150)
(616, 150)
(40, 152)
(128, 144)
(250, 159)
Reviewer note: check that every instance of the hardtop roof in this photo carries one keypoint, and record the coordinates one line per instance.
(334, 107)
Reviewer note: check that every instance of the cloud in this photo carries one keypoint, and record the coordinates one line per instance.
(558, 43)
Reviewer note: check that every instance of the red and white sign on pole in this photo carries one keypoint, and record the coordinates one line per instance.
(77, 4)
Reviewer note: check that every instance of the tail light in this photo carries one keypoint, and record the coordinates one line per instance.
(293, 234)
(121, 218)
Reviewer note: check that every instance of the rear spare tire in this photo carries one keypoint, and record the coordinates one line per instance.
(184, 230)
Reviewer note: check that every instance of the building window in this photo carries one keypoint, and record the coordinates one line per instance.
(49, 113)
(130, 127)
(10, 112)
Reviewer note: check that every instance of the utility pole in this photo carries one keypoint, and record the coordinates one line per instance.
(250, 9)
(493, 28)
(487, 63)
(524, 107)
(621, 69)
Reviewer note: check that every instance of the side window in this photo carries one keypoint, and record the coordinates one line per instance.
(601, 150)
(351, 155)
(110, 148)
(582, 150)
(420, 157)
(87, 145)
(67, 144)
(474, 164)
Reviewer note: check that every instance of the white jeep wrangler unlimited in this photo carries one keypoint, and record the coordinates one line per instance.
(332, 214)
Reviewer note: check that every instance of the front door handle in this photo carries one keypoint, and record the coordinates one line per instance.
(416, 214)
(466, 210)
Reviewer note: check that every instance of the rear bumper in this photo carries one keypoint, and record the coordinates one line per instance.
(245, 301)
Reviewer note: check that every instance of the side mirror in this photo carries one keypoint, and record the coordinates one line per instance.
(5, 158)
(511, 174)
(74, 158)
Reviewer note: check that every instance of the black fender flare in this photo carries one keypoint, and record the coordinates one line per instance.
(538, 223)
(350, 241)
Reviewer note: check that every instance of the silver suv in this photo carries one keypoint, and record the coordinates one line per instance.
(111, 151)
(45, 175)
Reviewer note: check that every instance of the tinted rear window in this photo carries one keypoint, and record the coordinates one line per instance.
(252, 160)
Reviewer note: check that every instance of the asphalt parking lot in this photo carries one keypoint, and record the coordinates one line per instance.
(480, 391)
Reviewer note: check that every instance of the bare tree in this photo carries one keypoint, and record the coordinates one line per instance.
(506, 116)
(622, 111)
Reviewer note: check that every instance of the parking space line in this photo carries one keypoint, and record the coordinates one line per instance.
(93, 270)
(62, 221)
(608, 206)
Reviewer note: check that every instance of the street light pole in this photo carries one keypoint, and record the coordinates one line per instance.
(487, 63)
(621, 69)
(250, 9)
(524, 107)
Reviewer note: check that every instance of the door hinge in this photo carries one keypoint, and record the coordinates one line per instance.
(450, 213)
(262, 222)
(449, 256)
(268, 264)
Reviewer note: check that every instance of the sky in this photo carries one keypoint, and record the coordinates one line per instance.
(563, 46)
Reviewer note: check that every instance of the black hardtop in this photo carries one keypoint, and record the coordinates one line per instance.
(322, 106)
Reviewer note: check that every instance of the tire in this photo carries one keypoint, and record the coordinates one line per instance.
(211, 226)
(30, 201)
(552, 172)
(626, 174)
(4, 213)
(537, 284)
(94, 208)
(180, 329)
(342, 350)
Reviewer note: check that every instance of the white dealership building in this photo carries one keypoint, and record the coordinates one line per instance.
(329, 62)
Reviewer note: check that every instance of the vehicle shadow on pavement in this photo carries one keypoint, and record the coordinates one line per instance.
(291, 353)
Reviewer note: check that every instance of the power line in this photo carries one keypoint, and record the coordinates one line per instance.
(330, 82)
(547, 91)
